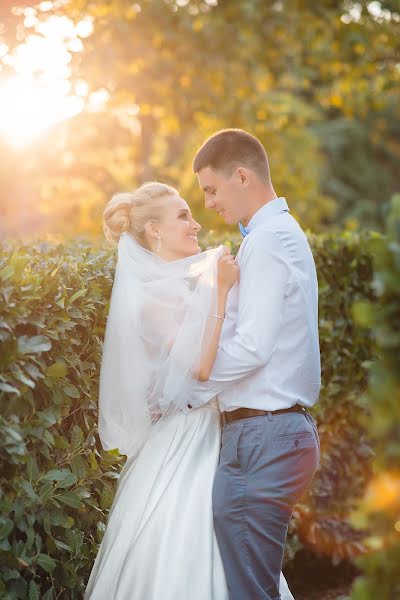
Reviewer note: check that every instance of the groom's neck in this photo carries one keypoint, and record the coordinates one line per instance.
(259, 196)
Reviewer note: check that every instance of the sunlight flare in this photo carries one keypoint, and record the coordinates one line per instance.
(39, 93)
(28, 108)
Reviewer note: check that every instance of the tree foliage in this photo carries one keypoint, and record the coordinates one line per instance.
(318, 83)
(380, 509)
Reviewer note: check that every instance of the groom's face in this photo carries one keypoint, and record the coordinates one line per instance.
(223, 193)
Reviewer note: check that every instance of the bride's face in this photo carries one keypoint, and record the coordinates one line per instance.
(178, 230)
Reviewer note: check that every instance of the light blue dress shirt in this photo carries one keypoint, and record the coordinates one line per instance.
(268, 356)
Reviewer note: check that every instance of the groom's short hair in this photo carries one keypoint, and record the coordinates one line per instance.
(231, 148)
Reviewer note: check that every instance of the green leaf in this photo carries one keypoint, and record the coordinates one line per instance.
(32, 467)
(60, 442)
(34, 591)
(6, 526)
(6, 273)
(46, 562)
(71, 391)
(62, 545)
(61, 519)
(5, 387)
(74, 538)
(58, 475)
(56, 270)
(80, 467)
(68, 480)
(76, 436)
(77, 294)
(34, 371)
(68, 523)
(20, 376)
(70, 499)
(106, 497)
(49, 416)
(28, 487)
(57, 369)
(33, 345)
(363, 313)
(47, 522)
(45, 492)
(93, 462)
(48, 437)
(49, 595)
(13, 433)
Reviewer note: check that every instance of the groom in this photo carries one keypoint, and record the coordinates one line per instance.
(267, 371)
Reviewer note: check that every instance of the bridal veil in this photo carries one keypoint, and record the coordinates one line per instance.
(157, 325)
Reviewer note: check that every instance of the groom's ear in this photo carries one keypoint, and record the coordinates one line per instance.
(243, 176)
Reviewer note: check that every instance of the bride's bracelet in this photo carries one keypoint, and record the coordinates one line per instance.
(218, 317)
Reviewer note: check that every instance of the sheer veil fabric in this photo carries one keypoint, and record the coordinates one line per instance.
(156, 328)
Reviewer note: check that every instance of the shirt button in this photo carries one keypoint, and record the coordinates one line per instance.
(189, 406)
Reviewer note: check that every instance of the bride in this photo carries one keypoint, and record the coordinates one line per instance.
(166, 313)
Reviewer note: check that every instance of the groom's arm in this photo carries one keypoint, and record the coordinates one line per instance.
(264, 278)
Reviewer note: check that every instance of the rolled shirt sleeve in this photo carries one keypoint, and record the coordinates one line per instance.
(264, 280)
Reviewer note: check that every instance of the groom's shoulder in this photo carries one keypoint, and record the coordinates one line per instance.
(275, 235)
(274, 230)
(264, 236)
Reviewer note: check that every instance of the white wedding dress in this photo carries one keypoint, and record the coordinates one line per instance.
(159, 542)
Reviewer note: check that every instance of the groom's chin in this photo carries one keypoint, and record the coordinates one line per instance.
(230, 221)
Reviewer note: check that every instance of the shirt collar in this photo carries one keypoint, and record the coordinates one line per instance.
(268, 210)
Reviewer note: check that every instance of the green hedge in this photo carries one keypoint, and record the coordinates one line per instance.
(57, 484)
(380, 509)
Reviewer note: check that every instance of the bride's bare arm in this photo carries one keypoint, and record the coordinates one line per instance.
(228, 273)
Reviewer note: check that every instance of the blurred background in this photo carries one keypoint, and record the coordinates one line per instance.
(97, 96)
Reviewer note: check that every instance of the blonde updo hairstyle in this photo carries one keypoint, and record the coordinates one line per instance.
(130, 211)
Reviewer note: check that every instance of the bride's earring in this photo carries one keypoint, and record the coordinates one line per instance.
(158, 243)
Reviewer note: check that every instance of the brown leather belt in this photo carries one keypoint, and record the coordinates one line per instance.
(244, 413)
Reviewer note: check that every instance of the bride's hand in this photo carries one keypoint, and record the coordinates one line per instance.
(228, 271)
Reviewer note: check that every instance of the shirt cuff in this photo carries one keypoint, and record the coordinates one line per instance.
(186, 408)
